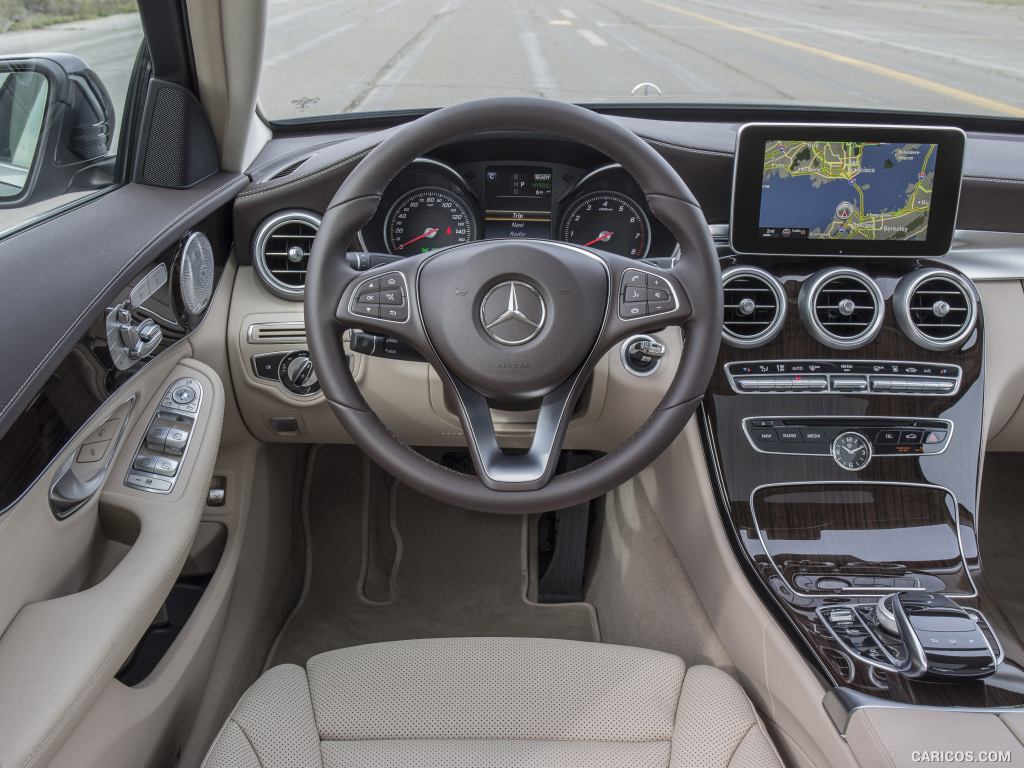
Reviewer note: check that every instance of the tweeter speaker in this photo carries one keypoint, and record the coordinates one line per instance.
(195, 270)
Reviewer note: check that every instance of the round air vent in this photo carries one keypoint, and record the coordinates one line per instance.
(842, 308)
(936, 308)
(755, 307)
(281, 251)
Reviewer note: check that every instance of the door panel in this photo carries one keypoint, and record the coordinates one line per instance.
(93, 582)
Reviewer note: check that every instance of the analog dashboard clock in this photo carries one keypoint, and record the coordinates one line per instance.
(852, 451)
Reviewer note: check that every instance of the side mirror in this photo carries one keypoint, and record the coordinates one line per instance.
(56, 125)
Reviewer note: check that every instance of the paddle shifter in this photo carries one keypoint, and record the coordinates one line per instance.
(938, 640)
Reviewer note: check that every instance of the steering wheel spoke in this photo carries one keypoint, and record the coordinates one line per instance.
(503, 470)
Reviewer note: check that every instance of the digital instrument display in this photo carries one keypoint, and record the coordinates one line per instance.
(517, 201)
(851, 190)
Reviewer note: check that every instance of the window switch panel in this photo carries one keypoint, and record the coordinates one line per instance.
(158, 460)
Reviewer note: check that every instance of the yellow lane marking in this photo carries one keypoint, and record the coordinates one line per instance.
(877, 69)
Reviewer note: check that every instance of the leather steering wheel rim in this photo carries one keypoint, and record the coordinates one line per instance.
(331, 281)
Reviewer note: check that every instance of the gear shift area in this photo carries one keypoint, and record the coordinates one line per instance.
(942, 641)
(920, 635)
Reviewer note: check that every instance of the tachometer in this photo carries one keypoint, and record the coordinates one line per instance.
(610, 221)
(426, 219)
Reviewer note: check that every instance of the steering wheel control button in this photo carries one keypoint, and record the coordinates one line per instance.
(635, 294)
(366, 310)
(643, 294)
(383, 297)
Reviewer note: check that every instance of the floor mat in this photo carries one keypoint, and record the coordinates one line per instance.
(387, 563)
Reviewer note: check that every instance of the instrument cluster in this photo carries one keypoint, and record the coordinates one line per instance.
(433, 205)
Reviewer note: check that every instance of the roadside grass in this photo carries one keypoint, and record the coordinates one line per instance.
(17, 15)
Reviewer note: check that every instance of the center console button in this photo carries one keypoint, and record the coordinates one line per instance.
(764, 435)
(814, 435)
(887, 437)
(935, 437)
(790, 435)
(911, 437)
(849, 383)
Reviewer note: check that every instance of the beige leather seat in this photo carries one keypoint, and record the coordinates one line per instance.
(481, 702)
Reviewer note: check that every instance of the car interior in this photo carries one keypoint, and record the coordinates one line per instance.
(355, 418)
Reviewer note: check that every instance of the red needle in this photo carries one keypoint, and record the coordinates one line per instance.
(430, 232)
(604, 237)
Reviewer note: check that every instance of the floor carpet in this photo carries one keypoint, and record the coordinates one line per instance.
(387, 563)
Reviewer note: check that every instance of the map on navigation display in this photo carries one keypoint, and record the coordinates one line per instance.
(846, 190)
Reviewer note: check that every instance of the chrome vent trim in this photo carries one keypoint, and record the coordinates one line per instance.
(755, 307)
(842, 308)
(937, 309)
(277, 333)
(281, 267)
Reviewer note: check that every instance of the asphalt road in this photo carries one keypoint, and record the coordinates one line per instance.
(336, 56)
(331, 56)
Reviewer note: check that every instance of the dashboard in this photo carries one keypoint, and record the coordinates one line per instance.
(433, 204)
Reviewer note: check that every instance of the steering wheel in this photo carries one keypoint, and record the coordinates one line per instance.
(514, 321)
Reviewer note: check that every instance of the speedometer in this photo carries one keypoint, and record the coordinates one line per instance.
(426, 219)
(610, 221)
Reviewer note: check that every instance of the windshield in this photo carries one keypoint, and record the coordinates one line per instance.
(348, 56)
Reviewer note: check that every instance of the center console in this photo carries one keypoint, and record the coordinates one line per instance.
(843, 426)
(848, 473)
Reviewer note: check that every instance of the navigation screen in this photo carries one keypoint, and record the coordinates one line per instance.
(846, 190)
(517, 202)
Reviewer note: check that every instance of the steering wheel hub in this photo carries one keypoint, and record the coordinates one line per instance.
(513, 319)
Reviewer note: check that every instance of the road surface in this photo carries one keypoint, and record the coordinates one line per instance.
(337, 56)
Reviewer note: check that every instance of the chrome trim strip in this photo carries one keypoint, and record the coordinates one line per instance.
(251, 335)
(796, 592)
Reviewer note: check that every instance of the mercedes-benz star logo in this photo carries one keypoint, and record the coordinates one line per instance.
(512, 312)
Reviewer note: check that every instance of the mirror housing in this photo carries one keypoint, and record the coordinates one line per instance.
(56, 126)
